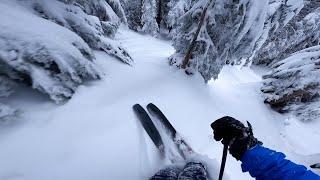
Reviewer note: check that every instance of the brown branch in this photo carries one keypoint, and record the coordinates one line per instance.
(193, 43)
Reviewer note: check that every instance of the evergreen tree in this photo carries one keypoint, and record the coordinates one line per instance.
(133, 11)
(149, 15)
(164, 12)
(289, 36)
(293, 85)
(177, 8)
(57, 66)
(229, 33)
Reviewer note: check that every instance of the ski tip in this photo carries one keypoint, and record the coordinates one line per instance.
(137, 107)
(152, 106)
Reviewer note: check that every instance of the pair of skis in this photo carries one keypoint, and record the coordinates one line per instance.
(183, 148)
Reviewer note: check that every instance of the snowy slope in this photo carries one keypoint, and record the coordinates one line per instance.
(96, 135)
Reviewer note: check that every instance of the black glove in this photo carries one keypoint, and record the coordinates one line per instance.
(234, 134)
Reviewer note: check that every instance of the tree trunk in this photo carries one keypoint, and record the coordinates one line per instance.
(159, 16)
(193, 43)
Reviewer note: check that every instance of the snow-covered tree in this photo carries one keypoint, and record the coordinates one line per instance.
(164, 13)
(148, 18)
(118, 9)
(94, 21)
(6, 113)
(175, 10)
(228, 32)
(290, 34)
(46, 56)
(48, 44)
(133, 11)
(294, 85)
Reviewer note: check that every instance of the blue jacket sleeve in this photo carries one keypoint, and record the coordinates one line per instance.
(263, 163)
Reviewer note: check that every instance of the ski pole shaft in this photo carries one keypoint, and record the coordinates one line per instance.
(223, 162)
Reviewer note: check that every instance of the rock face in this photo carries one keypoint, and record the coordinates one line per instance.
(294, 85)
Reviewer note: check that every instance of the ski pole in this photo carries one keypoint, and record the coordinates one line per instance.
(223, 161)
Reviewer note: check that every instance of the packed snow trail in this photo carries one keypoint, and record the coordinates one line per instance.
(97, 136)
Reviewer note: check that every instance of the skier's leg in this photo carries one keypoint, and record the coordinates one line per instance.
(193, 171)
(167, 174)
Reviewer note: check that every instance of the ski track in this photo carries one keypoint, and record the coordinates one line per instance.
(96, 135)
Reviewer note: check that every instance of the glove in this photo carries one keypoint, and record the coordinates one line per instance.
(235, 135)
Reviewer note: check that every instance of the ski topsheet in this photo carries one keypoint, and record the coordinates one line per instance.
(149, 127)
(183, 148)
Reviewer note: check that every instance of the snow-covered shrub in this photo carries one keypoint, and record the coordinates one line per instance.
(95, 21)
(42, 54)
(289, 33)
(229, 32)
(294, 84)
(6, 113)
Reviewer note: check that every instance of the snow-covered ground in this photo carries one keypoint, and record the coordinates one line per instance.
(97, 136)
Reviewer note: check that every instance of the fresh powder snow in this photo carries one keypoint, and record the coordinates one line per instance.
(96, 135)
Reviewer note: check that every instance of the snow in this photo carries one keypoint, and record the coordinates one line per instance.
(31, 47)
(96, 135)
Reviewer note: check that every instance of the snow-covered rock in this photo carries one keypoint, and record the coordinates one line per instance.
(294, 85)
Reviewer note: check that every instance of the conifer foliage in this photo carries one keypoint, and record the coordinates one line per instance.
(149, 17)
(48, 45)
(294, 84)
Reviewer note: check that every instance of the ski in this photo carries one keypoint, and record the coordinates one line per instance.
(182, 146)
(149, 127)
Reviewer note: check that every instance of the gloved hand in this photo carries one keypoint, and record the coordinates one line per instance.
(234, 134)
